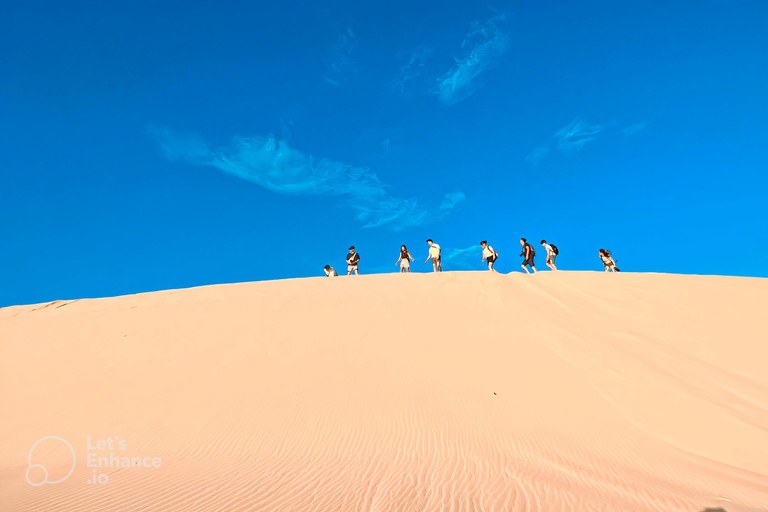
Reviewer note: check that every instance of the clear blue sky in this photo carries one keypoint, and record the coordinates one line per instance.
(155, 145)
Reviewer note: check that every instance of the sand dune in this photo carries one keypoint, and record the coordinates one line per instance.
(465, 391)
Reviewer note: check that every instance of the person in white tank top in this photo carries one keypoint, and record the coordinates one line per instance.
(489, 254)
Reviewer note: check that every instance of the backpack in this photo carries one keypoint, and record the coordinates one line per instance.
(533, 251)
(554, 249)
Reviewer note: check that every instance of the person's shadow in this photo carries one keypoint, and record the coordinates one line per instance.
(714, 510)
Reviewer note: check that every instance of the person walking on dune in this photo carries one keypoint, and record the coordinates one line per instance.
(552, 253)
(330, 271)
(528, 253)
(608, 261)
(353, 259)
(489, 254)
(403, 260)
(434, 255)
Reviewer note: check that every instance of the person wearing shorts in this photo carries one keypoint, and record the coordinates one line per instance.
(550, 255)
(434, 255)
(608, 261)
(528, 253)
(353, 259)
(404, 260)
(489, 254)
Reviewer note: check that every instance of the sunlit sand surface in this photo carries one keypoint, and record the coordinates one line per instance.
(461, 391)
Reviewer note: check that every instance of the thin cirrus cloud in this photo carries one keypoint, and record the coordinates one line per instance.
(634, 129)
(537, 155)
(569, 140)
(341, 66)
(574, 136)
(483, 45)
(467, 258)
(412, 67)
(275, 166)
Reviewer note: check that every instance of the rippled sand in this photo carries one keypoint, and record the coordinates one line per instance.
(461, 391)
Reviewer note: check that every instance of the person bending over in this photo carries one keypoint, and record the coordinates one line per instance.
(434, 255)
(608, 261)
(552, 253)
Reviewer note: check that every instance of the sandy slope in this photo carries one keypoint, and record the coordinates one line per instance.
(462, 391)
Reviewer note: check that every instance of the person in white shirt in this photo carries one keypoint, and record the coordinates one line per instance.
(489, 254)
(434, 255)
(551, 254)
(330, 271)
(403, 260)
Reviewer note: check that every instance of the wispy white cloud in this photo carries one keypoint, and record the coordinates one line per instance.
(410, 70)
(340, 63)
(537, 155)
(452, 199)
(275, 166)
(568, 140)
(575, 135)
(635, 128)
(482, 46)
(468, 258)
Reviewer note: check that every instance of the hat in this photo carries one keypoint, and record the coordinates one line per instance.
(351, 247)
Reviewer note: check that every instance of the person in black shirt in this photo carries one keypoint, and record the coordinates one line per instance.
(528, 253)
(403, 260)
(352, 260)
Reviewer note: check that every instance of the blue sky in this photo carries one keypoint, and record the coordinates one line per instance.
(149, 146)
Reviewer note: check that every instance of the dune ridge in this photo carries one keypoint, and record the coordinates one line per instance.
(460, 391)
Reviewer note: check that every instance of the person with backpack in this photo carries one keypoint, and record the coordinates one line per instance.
(489, 254)
(528, 253)
(403, 260)
(552, 253)
(330, 271)
(608, 261)
(435, 256)
(353, 259)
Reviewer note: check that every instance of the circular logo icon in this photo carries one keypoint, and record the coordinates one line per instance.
(43, 468)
